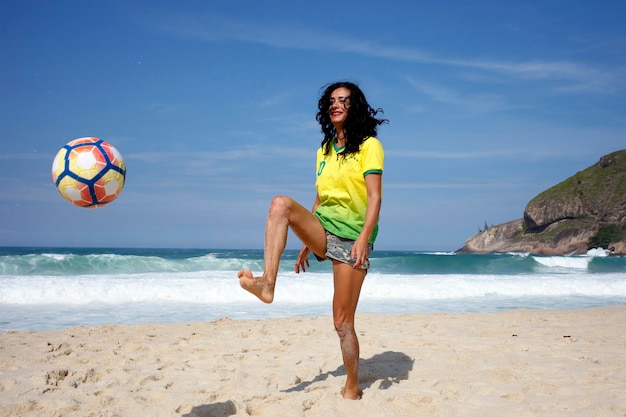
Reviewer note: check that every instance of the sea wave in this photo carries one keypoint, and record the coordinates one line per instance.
(43, 288)
(102, 262)
(223, 287)
(55, 264)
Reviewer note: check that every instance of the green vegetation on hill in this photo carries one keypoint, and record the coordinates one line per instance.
(601, 187)
(606, 236)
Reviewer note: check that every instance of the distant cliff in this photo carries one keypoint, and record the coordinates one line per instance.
(585, 211)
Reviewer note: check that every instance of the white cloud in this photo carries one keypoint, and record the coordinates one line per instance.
(474, 103)
(452, 154)
(214, 28)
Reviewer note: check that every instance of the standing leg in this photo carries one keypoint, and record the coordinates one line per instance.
(284, 213)
(348, 282)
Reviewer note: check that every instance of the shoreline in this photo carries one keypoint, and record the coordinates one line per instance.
(523, 362)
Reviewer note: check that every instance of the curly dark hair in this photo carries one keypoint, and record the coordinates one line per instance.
(360, 123)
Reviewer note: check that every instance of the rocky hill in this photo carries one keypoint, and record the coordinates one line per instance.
(587, 210)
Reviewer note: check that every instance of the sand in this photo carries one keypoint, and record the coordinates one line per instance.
(511, 363)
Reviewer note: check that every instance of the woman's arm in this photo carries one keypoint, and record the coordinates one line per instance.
(374, 185)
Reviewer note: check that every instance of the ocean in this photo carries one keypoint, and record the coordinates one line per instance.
(53, 288)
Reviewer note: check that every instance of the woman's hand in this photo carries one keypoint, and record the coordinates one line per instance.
(359, 251)
(302, 262)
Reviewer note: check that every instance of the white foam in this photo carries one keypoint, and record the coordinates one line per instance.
(223, 287)
(53, 302)
(571, 262)
(598, 252)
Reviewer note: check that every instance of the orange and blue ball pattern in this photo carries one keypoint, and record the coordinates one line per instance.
(89, 172)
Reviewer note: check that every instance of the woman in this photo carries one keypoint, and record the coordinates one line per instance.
(343, 224)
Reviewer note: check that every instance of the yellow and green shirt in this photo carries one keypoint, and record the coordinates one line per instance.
(341, 187)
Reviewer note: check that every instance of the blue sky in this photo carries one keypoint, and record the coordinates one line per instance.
(212, 104)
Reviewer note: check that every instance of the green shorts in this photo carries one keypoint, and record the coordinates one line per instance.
(339, 248)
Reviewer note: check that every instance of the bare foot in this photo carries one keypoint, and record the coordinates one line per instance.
(257, 286)
(352, 395)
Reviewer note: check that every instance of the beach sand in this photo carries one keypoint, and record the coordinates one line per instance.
(511, 363)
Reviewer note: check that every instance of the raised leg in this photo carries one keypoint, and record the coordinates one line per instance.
(284, 213)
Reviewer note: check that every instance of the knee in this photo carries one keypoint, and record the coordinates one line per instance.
(343, 326)
(280, 205)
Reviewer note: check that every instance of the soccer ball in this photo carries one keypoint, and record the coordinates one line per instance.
(89, 172)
